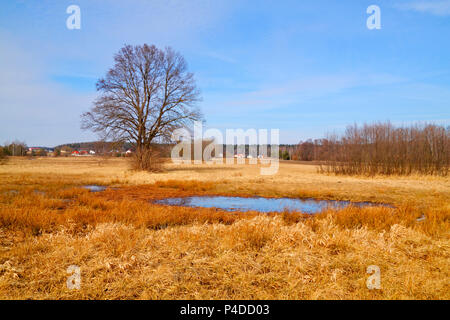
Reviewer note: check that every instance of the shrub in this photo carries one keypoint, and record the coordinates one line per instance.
(382, 148)
(2, 156)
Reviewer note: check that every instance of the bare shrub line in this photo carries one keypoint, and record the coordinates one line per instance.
(385, 149)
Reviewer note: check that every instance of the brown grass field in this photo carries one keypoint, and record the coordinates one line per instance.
(129, 248)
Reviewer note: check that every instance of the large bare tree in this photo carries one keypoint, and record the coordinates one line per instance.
(146, 95)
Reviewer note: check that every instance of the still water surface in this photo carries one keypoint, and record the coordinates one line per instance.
(262, 204)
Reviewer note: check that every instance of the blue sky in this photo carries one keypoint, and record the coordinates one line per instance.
(305, 67)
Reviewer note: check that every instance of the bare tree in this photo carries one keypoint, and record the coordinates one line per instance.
(145, 96)
(2, 156)
(382, 148)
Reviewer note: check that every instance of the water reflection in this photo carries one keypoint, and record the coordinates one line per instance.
(262, 204)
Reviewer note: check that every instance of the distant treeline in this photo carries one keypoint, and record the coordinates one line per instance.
(98, 146)
(16, 148)
(379, 148)
(383, 148)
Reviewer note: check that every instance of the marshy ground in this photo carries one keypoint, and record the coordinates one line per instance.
(130, 248)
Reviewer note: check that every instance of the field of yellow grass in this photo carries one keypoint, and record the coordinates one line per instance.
(129, 248)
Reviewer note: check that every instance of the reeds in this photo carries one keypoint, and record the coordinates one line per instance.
(127, 247)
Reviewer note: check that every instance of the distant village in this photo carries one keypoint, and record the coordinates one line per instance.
(304, 151)
(83, 149)
(68, 151)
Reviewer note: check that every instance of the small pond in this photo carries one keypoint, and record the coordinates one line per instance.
(262, 204)
(94, 188)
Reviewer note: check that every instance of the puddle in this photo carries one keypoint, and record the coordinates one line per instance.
(94, 188)
(11, 193)
(262, 204)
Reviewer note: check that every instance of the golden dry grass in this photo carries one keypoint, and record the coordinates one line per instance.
(129, 248)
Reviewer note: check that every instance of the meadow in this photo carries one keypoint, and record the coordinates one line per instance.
(129, 248)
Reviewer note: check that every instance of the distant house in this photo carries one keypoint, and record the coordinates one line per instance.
(128, 153)
(41, 151)
(65, 150)
(33, 150)
(83, 152)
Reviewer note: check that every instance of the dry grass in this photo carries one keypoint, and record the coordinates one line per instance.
(129, 248)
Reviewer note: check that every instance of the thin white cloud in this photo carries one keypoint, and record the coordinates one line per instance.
(436, 7)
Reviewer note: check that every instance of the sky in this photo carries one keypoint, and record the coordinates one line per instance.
(306, 67)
